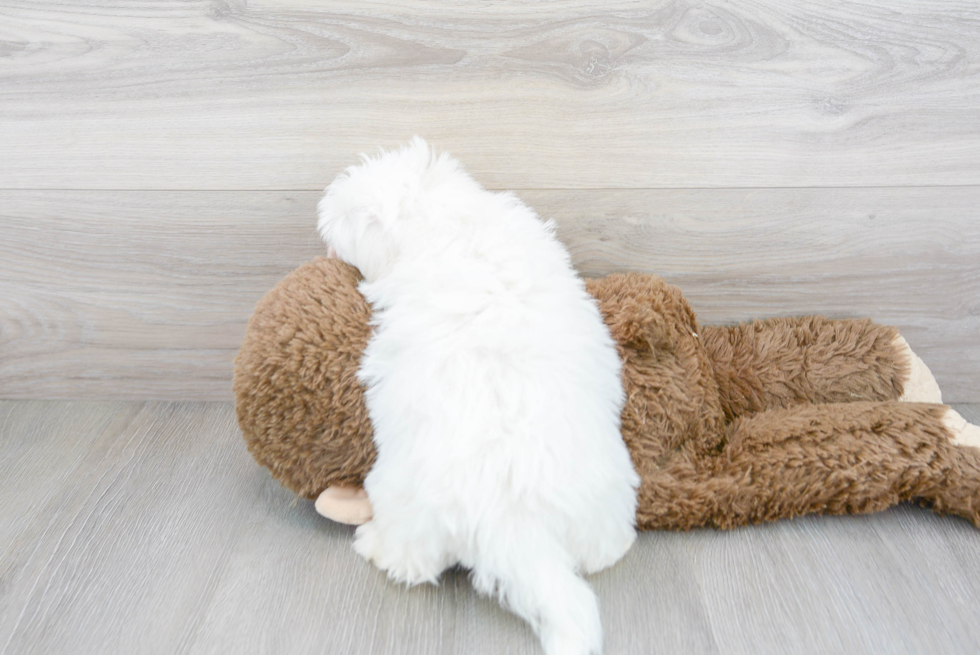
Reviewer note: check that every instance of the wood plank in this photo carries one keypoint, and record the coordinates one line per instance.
(839, 584)
(145, 294)
(122, 557)
(651, 601)
(283, 94)
(42, 449)
(125, 557)
(146, 527)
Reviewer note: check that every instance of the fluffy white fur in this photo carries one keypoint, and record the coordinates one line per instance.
(494, 390)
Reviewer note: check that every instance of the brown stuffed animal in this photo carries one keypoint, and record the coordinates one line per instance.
(726, 425)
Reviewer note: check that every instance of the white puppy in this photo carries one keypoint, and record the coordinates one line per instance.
(494, 390)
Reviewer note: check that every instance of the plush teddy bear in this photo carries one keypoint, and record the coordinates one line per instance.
(725, 425)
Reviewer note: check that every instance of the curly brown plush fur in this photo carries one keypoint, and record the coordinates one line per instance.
(725, 425)
(299, 404)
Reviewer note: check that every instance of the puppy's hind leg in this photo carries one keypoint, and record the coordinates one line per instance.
(409, 541)
(534, 576)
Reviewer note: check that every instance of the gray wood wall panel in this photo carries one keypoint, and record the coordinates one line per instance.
(145, 294)
(215, 94)
(146, 528)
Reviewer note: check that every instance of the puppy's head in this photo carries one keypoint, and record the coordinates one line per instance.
(368, 213)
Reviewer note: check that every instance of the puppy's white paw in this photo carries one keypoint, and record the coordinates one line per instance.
(921, 386)
(964, 433)
(403, 561)
(605, 552)
(367, 542)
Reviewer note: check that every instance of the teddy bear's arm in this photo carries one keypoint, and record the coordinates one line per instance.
(835, 459)
(344, 504)
(784, 362)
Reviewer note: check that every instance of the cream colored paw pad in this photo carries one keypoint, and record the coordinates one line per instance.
(964, 433)
(921, 386)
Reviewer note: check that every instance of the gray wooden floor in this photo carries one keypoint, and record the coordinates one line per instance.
(132, 527)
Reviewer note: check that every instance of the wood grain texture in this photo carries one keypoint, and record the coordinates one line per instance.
(140, 294)
(121, 552)
(146, 294)
(846, 585)
(223, 94)
(146, 528)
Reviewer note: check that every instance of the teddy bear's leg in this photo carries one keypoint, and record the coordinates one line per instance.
(920, 385)
(790, 361)
(844, 458)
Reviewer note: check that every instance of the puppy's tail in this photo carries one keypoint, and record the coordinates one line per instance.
(534, 576)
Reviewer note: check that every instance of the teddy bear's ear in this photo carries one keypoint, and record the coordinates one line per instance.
(637, 326)
(633, 307)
